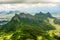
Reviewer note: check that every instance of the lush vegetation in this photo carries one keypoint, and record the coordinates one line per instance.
(28, 27)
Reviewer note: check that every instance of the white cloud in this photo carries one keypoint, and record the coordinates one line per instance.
(9, 0)
(6, 16)
(29, 1)
(52, 1)
(23, 6)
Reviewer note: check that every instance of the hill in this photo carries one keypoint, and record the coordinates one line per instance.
(26, 26)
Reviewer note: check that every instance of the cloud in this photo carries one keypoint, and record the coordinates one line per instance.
(6, 16)
(29, 1)
(24, 6)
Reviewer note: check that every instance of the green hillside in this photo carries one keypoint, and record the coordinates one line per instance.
(28, 27)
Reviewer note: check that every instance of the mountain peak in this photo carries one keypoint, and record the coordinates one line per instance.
(40, 15)
(49, 14)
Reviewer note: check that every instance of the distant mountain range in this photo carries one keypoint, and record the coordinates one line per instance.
(9, 12)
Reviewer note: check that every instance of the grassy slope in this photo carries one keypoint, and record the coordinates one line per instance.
(57, 31)
(39, 37)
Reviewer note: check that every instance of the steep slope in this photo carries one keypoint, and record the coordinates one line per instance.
(57, 26)
(25, 26)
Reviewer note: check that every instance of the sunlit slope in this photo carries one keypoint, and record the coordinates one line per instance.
(51, 21)
(6, 36)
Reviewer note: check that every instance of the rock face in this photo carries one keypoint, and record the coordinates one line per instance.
(38, 16)
(23, 15)
(49, 15)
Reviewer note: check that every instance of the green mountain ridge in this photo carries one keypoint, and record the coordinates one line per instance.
(23, 26)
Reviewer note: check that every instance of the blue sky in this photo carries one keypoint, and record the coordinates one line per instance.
(45, 10)
(53, 10)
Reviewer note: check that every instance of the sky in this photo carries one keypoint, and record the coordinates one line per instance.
(50, 7)
(31, 6)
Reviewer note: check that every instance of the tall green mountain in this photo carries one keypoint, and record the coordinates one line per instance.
(23, 26)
